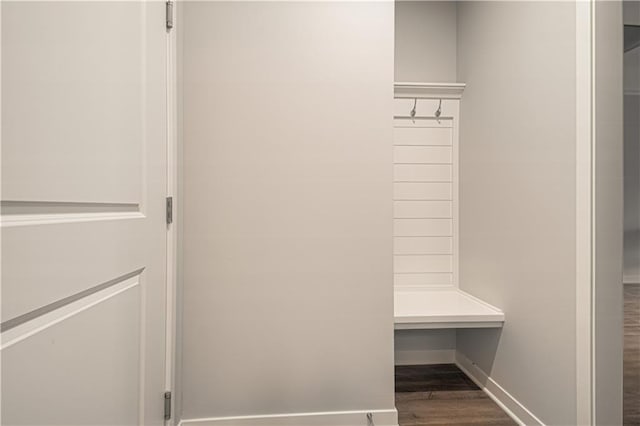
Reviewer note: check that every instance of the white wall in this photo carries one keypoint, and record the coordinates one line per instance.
(517, 196)
(425, 41)
(425, 51)
(288, 303)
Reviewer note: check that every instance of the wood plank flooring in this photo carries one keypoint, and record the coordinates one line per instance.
(632, 354)
(438, 395)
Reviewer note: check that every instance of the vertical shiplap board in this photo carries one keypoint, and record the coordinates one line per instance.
(287, 121)
(424, 200)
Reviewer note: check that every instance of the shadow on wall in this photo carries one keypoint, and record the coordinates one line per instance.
(485, 346)
(417, 347)
(632, 256)
(632, 185)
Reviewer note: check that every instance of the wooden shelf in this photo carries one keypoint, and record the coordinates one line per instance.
(443, 308)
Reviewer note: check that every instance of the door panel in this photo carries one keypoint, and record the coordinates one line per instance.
(73, 73)
(95, 385)
(36, 254)
(83, 225)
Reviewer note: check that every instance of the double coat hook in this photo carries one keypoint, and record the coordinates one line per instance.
(412, 113)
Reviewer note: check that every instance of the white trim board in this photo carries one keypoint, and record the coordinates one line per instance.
(327, 418)
(428, 90)
(584, 214)
(631, 279)
(516, 410)
(171, 346)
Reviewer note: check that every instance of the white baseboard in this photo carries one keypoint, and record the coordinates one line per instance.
(631, 279)
(329, 418)
(425, 357)
(518, 412)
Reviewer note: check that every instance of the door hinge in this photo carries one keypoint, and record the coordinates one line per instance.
(167, 405)
(169, 206)
(169, 14)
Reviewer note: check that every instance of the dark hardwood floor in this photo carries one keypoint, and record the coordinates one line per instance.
(431, 395)
(443, 395)
(632, 354)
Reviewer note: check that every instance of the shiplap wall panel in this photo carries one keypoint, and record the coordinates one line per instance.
(422, 279)
(424, 205)
(423, 263)
(422, 191)
(422, 172)
(422, 154)
(422, 135)
(422, 227)
(424, 109)
(418, 209)
(422, 245)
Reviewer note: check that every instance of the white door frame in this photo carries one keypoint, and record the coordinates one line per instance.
(584, 213)
(598, 205)
(172, 229)
(585, 226)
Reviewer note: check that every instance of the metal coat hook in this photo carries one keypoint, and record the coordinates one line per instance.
(412, 113)
(438, 112)
(370, 419)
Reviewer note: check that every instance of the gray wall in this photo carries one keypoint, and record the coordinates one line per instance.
(517, 192)
(288, 298)
(419, 347)
(608, 217)
(632, 152)
(425, 41)
(632, 188)
(631, 12)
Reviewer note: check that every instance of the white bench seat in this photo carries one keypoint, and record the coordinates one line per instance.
(443, 308)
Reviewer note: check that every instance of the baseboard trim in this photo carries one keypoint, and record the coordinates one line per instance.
(517, 411)
(425, 357)
(631, 279)
(328, 418)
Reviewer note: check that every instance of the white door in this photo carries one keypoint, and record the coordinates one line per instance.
(83, 212)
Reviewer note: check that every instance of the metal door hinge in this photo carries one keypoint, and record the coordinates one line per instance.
(169, 210)
(169, 14)
(167, 405)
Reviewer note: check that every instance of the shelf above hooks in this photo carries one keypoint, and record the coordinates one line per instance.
(428, 90)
